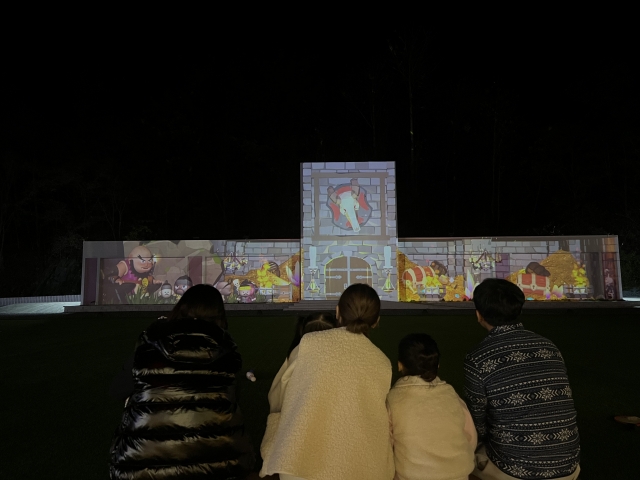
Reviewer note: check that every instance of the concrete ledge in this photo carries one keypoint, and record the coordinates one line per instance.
(49, 299)
(388, 308)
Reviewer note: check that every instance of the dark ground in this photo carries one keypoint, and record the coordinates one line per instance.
(58, 421)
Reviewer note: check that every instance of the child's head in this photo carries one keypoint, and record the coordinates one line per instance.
(316, 322)
(418, 354)
(359, 308)
(498, 302)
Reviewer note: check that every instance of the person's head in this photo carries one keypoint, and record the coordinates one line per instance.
(202, 302)
(316, 322)
(418, 354)
(498, 302)
(359, 308)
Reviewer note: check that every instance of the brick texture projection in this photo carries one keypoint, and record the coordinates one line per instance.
(349, 234)
(349, 231)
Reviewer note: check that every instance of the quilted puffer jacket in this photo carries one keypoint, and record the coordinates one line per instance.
(182, 420)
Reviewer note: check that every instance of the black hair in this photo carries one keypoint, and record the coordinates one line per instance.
(316, 322)
(498, 301)
(203, 302)
(419, 355)
(359, 307)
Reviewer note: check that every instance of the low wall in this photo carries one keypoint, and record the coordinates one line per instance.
(54, 298)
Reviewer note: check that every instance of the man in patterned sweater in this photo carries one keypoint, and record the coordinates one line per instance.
(518, 395)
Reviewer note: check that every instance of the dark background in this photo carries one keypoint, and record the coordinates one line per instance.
(517, 130)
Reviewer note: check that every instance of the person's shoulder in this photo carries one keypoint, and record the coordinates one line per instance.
(293, 356)
(475, 350)
(413, 388)
(537, 338)
(320, 337)
(216, 336)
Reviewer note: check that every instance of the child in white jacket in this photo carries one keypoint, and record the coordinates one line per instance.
(432, 431)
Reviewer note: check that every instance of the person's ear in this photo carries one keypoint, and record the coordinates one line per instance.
(338, 315)
(483, 323)
(376, 324)
(400, 366)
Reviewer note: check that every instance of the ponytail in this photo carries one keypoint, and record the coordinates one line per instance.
(359, 326)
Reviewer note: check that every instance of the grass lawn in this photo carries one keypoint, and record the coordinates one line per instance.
(57, 420)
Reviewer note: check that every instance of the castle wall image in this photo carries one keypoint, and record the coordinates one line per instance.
(349, 234)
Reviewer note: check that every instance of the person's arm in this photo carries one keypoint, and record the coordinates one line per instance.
(280, 382)
(390, 423)
(469, 427)
(122, 385)
(476, 397)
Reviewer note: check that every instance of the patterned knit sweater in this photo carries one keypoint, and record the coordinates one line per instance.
(521, 403)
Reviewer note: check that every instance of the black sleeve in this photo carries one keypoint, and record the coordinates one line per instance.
(122, 385)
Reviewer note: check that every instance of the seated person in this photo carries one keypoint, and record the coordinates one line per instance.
(519, 395)
(432, 432)
(181, 418)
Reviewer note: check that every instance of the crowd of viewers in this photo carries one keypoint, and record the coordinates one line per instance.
(332, 413)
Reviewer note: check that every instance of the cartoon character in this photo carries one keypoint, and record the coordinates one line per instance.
(233, 264)
(236, 287)
(181, 285)
(136, 269)
(349, 205)
(268, 275)
(225, 288)
(165, 290)
(247, 292)
(166, 294)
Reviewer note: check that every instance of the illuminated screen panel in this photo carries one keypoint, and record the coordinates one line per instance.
(545, 268)
(159, 272)
(349, 231)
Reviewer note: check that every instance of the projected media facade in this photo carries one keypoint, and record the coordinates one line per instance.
(350, 235)
(349, 231)
(159, 272)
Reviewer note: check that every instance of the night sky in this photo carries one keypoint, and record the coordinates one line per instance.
(527, 130)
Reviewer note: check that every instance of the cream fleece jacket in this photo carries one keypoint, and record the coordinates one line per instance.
(433, 434)
(281, 381)
(334, 424)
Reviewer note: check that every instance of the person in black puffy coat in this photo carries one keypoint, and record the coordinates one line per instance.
(181, 419)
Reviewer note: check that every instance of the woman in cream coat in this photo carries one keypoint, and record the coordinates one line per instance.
(334, 423)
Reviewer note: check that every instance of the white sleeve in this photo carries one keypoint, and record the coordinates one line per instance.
(280, 382)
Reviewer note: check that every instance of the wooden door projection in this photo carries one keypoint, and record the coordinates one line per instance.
(344, 271)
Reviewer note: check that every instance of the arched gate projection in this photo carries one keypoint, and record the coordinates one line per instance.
(349, 232)
(343, 271)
